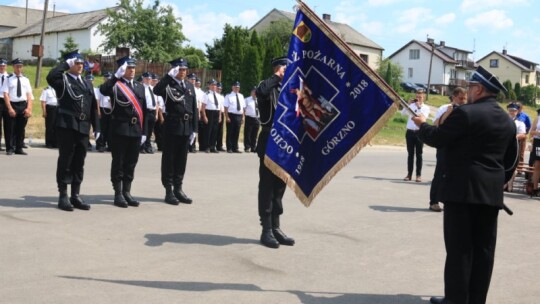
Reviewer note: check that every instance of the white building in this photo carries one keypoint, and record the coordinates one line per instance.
(81, 27)
(450, 66)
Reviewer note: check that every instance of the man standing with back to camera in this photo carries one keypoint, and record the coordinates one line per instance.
(479, 142)
(271, 187)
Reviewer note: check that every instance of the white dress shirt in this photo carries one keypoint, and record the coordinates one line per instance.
(49, 97)
(231, 104)
(10, 87)
(251, 108)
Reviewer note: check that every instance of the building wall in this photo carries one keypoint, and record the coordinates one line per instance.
(440, 73)
(374, 55)
(505, 71)
(54, 42)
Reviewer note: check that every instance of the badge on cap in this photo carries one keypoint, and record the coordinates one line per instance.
(74, 54)
(16, 61)
(179, 62)
(130, 61)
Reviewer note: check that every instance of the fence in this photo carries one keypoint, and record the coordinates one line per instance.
(108, 64)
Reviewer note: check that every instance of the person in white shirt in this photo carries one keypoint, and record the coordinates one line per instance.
(49, 105)
(415, 145)
(458, 98)
(105, 109)
(18, 101)
(252, 125)
(3, 112)
(521, 129)
(192, 77)
(211, 117)
(234, 105)
(151, 112)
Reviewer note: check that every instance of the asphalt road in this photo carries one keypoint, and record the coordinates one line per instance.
(367, 238)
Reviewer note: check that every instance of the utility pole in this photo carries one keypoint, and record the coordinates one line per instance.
(432, 43)
(40, 53)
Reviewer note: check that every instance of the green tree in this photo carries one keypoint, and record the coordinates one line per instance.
(281, 30)
(529, 94)
(508, 85)
(517, 89)
(251, 70)
(214, 53)
(69, 46)
(501, 97)
(273, 50)
(391, 72)
(236, 41)
(152, 33)
(512, 95)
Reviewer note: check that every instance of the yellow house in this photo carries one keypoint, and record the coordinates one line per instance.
(508, 67)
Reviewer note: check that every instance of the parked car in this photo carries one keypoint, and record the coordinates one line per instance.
(431, 90)
(409, 87)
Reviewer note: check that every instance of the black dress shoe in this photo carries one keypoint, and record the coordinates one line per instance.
(150, 151)
(64, 204)
(268, 239)
(282, 238)
(9, 152)
(214, 151)
(101, 149)
(182, 197)
(229, 151)
(78, 203)
(221, 149)
(20, 152)
(171, 199)
(142, 151)
(237, 151)
(438, 300)
(2, 149)
(119, 201)
(130, 200)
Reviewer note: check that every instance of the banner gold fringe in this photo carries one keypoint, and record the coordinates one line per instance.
(362, 142)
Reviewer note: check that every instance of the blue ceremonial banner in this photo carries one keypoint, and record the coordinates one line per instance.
(330, 106)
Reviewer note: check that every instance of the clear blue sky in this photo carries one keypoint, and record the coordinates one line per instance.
(475, 25)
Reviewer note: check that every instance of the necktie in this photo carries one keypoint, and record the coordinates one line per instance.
(215, 101)
(237, 103)
(3, 79)
(19, 90)
(130, 85)
(81, 82)
(152, 96)
(182, 84)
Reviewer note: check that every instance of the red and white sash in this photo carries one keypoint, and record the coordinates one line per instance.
(132, 98)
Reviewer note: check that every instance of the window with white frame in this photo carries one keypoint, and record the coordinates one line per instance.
(494, 63)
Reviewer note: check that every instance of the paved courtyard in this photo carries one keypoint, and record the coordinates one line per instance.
(368, 238)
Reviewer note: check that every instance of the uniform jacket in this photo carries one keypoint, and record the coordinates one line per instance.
(480, 148)
(267, 96)
(124, 118)
(77, 104)
(182, 115)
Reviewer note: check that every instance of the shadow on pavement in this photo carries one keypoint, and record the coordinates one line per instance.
(30, 201)
(306, 297)
(398, 209)
(195, 238)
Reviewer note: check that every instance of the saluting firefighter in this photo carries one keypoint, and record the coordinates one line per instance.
(271, 187)
(179, 129)
(76, 110)
(128, 128)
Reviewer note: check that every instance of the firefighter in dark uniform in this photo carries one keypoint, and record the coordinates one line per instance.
(77, 108)
(128, 128)
(271, 187)
(179, 129)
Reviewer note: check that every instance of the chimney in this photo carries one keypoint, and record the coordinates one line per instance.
(326, 17)
(443, 44)
(504, 51)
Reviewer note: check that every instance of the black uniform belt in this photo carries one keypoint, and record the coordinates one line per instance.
(150, 111)
(79, 116)
(132, 120)
(178, 117)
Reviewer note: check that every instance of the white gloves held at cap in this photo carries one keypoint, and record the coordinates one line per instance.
(121, 71)
(174, 71)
